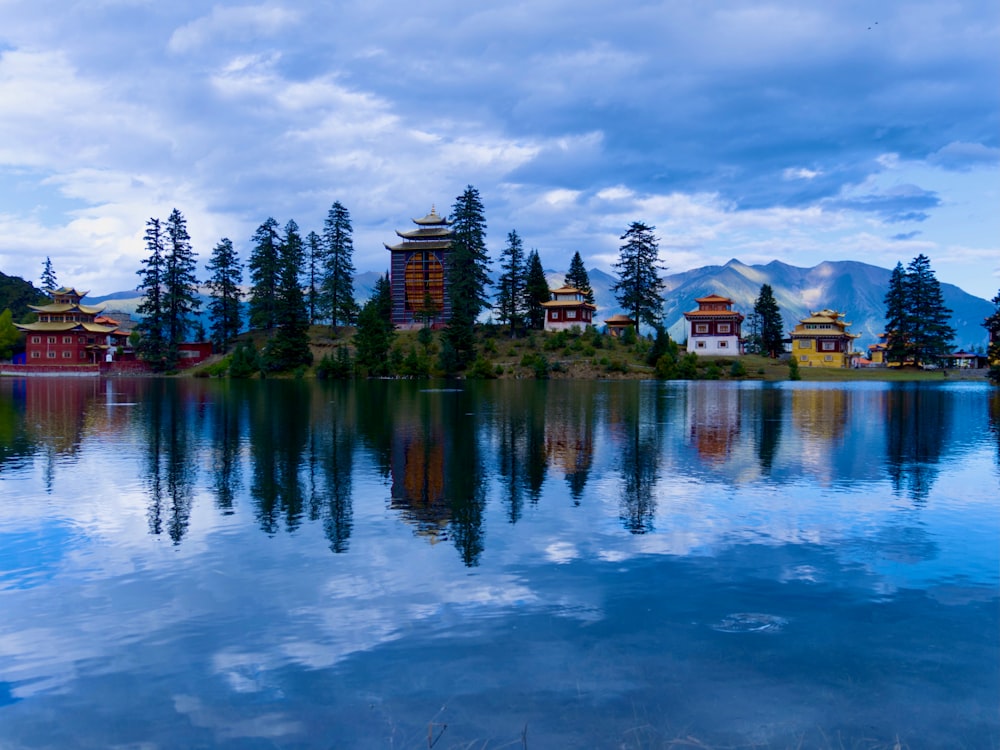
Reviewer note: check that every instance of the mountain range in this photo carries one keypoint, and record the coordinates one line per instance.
(854, 288)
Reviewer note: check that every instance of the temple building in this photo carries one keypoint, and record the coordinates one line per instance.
(417, 273)
(68, 333)
(566, 309)
(617, 325)
(714, 328)
(822, 340)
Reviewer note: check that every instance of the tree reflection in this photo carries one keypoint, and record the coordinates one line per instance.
(464, 473)
(768, 437)
(917, 428)
(170, 472)
(331, 500)
(640, 411)
(519, 428)
(227, 432)
(279, 431)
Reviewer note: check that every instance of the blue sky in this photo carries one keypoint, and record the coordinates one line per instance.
(794, 131)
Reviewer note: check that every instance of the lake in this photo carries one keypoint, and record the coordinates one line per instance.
(193, 563)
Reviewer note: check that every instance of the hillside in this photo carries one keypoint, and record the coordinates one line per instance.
(857, 289)
(16, 294)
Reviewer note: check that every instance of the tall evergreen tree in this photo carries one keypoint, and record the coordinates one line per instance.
(224, 284)
(929, 318)
(511, 295)
(537, 291)
(897, 319)
(152, 344)
(771, 326)
(264, 272)
(376, 332)
(578, 278)
(315, 257)
(180, 284)
(49, 282)
(289, 347)
(992, 324)
(638, 286)
(338, 283)
(468, 275)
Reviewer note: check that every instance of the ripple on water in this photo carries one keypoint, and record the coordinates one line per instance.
(750, 622)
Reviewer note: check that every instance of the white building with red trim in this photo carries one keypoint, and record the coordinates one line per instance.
(714, 328)
(568, 308)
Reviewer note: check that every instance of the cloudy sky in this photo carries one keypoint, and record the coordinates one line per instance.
(786, 130)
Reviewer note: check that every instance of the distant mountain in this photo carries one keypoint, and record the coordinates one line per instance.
(856, 289)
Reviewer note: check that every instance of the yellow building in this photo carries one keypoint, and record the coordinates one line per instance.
(822, 340)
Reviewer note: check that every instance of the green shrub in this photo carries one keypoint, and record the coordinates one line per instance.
(793, 369)
(737, 370)
(481, 369)
(245, 362)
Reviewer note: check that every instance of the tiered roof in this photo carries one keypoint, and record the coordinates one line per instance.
(433, 232)
(52, 318)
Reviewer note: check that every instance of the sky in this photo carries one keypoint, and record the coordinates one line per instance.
(791, 131)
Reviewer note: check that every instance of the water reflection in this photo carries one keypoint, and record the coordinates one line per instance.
(292, 451)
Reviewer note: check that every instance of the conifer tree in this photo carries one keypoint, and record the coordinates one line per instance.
(897, 320)
(338, 282)
(638, 286)
(375, 335)
(929, 318)
(151, 345)
(468, 275)
(511, 295)
(289, 347)
(264, 272)
(315, 257)
(537, 290)
(49, 282)
(578, 278)
(771, 328)
(224, 285)
(992, 324)
(180, 285)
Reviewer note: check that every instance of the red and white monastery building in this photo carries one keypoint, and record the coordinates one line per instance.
(69, 333)
(714, 328)
(568, 308)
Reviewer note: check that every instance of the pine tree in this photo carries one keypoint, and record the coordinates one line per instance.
(537, 290)
(771, 326)
(315, 257)
(264, 272)
(338, 283)
(467, 275)
(992, 324)
(49, 282)
(897, 319)
(289, 347)
(151, 345)
(224, 284)
(511, 296)
(929, 318)
(180, 285)
(638, 286)
(578, 278)
(375, 335)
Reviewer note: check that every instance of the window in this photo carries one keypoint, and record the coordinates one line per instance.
(83, 354)
(700, 344)
(828, 358)
(67, 355)
(81, 340)
(51, 339)
(570, 314)
(805, 344)
(725, 328)
(701, 327)
(723, 344)
(829, 346)
(36, 339)
(36, 355)
(67, 339)
(555, 315)
(804, 358)
(52, 355)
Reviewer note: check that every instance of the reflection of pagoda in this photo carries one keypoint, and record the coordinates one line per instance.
(715, 423)
(418, 483)
(417, 272)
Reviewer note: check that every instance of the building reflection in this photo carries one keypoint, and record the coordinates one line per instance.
(569, 435)
(714, 423)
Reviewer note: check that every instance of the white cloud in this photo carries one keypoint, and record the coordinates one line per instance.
(244, 22)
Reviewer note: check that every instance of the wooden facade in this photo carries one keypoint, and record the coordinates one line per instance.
(418, 276)
(714, 328)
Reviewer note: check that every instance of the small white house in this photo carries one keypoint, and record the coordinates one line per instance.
(566, 309)
(714, 328)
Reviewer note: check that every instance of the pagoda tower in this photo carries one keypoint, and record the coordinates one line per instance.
(417, 274)
(69, 333)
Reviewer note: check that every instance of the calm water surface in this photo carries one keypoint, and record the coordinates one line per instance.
(542, 565)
